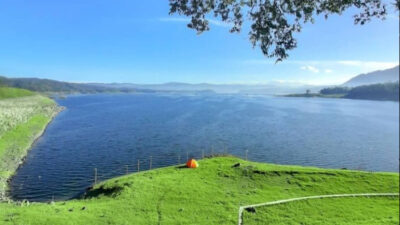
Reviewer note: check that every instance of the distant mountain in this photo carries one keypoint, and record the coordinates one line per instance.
(380, 76)
(268, 89)
(46, 85)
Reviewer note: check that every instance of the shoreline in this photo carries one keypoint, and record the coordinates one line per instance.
(317, 95)
(4, 193)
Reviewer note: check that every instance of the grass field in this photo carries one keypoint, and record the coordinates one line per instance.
(348, 210)
(210, 194)
(8, 92)
(23, 117)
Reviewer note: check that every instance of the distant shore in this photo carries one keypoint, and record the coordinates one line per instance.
(377, 92)
(313, 95)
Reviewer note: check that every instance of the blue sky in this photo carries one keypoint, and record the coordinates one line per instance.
(137, 41)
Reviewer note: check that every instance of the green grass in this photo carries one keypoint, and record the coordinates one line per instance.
(8, 92)
(210, 194)
(349, 210)
(22, 120)
(15, 144)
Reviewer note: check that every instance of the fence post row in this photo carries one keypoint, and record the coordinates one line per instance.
(203, 151)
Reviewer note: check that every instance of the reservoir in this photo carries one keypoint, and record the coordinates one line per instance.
(117, 134)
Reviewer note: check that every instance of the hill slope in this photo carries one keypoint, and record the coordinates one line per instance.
(46, 85)
(23, 117)
(380, 76)
(382, 91)
(210, 194)
(7, 92)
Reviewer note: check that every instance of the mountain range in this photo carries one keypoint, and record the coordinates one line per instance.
(47, 85)
(379, 76)
(271, 88)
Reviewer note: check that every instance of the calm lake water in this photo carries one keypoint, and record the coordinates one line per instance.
(112, 132)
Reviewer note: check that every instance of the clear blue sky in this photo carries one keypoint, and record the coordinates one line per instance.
(137, 41)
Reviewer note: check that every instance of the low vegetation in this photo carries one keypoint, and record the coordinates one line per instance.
(210, 194)
(23, 117)
(15, 111)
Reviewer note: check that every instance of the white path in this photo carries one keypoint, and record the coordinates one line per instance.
(242, 208)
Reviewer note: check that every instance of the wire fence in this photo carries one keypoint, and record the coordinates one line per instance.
(158, 161)
(95, 174)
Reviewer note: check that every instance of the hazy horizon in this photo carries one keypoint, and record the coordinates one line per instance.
(271, 82)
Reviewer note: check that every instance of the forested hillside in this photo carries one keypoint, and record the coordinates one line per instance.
(385, 91)
(46, 85)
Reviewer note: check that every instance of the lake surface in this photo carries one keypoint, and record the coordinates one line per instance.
(112, 132)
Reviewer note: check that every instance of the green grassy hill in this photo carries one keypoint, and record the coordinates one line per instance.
(210, 194)
(8, 92)
(23, 117)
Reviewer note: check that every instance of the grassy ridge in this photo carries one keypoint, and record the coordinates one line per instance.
(22, 120)
(8, 92)
(210, 194)
(356, 210)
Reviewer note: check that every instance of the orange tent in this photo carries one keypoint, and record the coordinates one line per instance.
(192, 163)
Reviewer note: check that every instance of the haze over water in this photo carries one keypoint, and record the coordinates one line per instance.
(112, 132)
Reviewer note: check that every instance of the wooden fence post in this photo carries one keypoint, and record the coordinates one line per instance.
(151, 159)
(95, 176)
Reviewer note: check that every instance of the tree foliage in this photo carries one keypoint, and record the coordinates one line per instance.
(273, 22)
(380, 91)
(334, 91)
(387, 91)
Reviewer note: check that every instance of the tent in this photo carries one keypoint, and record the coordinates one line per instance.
(191, 163)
